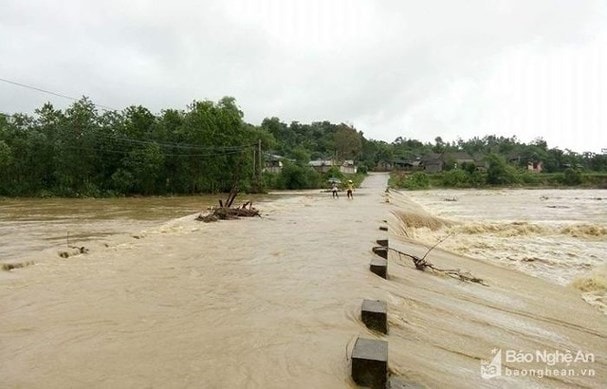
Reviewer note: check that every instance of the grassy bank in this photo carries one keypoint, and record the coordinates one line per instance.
(476, 179)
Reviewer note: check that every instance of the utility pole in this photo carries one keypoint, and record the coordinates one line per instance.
(254, 162)
(260, 165)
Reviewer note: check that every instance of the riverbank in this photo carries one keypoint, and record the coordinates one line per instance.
(275, 302)
(515, 179)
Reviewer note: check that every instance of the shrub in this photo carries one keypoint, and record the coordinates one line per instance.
(499, 172)
(334, 172)
(469, 167)
(477, 178)
(457, 178)
(572, 177)
(294, 176)
(530, 178)
(417, 181)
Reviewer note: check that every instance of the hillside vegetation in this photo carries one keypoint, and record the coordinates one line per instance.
(208, 147)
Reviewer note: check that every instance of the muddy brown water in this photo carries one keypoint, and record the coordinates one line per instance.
(274, 302)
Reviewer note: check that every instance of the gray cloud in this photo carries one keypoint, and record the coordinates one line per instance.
(392, 68)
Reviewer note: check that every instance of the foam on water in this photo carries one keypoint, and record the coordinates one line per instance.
(559, 243)
(594, 287)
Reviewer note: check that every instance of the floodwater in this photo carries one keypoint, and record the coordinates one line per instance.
(39, 227)
(272, 302)
(557, 235)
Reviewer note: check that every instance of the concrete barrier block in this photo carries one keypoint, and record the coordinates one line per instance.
(381, 251)
(370, 363)
(382, 242)
(374, 314)
(379, 266)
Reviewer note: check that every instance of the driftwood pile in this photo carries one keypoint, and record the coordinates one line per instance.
(225, 211)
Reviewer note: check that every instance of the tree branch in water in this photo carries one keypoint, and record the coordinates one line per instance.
(422, 264)
(227, 212)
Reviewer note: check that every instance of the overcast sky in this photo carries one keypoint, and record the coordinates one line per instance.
(410, 68)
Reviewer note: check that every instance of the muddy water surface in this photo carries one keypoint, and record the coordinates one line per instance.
(261, 302)
(30, 226)
(274, 302)
(559, 235)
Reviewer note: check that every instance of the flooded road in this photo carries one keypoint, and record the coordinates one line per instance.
(274, 302)
(268, 302)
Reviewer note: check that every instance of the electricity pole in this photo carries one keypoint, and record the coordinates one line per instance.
(259, 164)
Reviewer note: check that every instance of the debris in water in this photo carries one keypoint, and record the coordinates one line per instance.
(227, 212)
(16, 265)
(422, 264)
(73, 251)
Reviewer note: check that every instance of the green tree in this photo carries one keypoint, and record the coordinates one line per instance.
(572, 177)
(301, 155)
(599, 162)
(439, 146)
(145, 165)
(499, 172)
(348, 144)
(294, 176)
(77, 155)
(5, 155)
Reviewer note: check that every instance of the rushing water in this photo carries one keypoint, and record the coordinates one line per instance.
(270, 302)
(31, 226)
(558, 235)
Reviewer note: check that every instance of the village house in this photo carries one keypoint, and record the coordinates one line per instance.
(535, 167)
(437, 162)
(407, 165)
(384, 166)
(432, 163)
(456, 159)
(273, 163)
(324, 165)
(348, 167)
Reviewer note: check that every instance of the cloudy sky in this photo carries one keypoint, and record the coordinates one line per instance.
(410, 68)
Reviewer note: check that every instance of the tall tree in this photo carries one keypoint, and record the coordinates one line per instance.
(348, 144)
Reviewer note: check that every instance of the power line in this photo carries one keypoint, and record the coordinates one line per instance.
(192, 149)
(126, 152)
(104, 107)
(121, 139)
(125, 139)
(172, 145)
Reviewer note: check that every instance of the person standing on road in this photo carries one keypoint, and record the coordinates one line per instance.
(334, 190)
(350, 189)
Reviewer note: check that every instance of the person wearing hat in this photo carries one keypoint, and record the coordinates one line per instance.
(334, 190)
(350, 189)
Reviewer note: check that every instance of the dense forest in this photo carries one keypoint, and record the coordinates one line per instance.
(85, 150)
